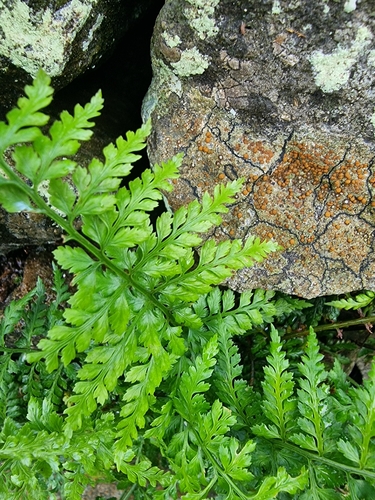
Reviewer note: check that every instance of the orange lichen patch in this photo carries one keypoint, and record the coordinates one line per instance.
(253, 177)
(260, 153)
(310, 173)
(205, 149)
(305, 195)
(305, 163)
(349, 179)
(203, 144)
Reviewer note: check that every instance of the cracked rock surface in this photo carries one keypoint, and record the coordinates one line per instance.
(282, 94)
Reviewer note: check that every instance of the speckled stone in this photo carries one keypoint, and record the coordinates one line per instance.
(282, 94)
(64, 37)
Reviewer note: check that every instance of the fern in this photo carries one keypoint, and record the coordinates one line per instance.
(361, 449)
(138, 376)
(321, 418)
(124, 294)
(359, 301)
(279, 406)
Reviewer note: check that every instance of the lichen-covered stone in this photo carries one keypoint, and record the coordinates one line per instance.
(63, 37)
(287, 102)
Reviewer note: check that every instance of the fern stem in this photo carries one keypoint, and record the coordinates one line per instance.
(327, 461)
(332, 326)
(127, 494)
(25, 350)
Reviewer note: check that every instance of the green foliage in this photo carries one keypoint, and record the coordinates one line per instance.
(137, 377)
(359, 301)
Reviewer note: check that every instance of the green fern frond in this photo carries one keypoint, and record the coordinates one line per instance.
(12, 315)
(313, 405)
(138, 372)
(359, 301)
(25, 119)
(360, 449)
(233, 390)
(279, 403)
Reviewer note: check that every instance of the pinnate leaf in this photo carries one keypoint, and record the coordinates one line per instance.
(13, 198)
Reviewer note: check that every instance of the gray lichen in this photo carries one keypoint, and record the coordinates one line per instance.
(200, 14)
(32, 45)
(350, 5)
(276, 7)
(192, 62)
(332, 70)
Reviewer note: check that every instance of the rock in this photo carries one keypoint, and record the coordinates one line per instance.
(280, 93)
(24, 268)
(18, 230)
(116, 77)
(65, 38)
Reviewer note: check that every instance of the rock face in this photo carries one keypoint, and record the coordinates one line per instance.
(281, 93)
(64, 37)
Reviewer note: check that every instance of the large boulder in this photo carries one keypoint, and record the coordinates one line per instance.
(281, 93)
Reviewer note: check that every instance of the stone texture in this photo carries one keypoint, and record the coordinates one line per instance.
(21, 229)
(63, 37)
(281, 93)
(116, 77)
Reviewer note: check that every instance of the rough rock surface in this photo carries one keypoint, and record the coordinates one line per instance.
(116, 77)
(281, 93)
(64, 37)
(21, 229)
